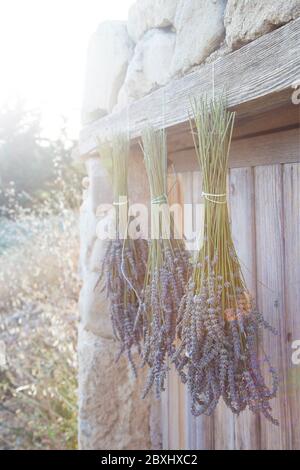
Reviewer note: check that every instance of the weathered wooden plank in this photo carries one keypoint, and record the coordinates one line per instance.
(266, 149)
(200, 428)
(271, 225)
(223, 422)
(224, 430)
(188, 432)
(165, 416)
(203, 425)
(279, 118)
(171, 398)
(277, 147)
(241, 191)
(182, 414)
(266, 67)
(191, 432)
(270, 294)
(291, 198)
(174, 410)
(188, 196)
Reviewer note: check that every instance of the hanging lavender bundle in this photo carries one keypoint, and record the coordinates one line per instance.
(125, 259)
(219, 322)
(167, 269)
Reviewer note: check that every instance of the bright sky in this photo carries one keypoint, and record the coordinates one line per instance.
(43, 47)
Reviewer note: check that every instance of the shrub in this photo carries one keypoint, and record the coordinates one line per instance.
(39, 287)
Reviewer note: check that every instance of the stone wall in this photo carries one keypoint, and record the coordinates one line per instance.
(112, 414)
(162, 40)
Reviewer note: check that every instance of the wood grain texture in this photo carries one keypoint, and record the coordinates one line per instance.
(274, 147)
(188, 196)
(224, 428)
(265, 216)
(241, 194)
(279, 118)
(263, 70)
(271, 299)
(174, 407)
(183, 418)
(291, 193)
(223, 421)
(184, 430)
(203, 425)
(174, 403)
(165, 415)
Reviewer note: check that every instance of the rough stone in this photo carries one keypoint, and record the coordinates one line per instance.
(246, 20)
(93, 305)
(149, 67)
(200, 30)
(112, 415)
(148, 14)
(109, 52)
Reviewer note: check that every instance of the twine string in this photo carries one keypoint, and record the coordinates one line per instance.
(160, 199)
(120, 203)
(208, 197)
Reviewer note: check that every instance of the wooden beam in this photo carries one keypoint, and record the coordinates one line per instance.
(277, 119)
(256, 77)
(271, 148)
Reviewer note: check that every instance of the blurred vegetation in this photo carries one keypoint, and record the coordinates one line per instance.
(33, 164)
(39, 285)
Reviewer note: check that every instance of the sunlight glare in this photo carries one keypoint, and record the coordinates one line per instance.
(43, 51)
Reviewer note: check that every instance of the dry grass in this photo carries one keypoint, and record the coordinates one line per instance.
(38, 310)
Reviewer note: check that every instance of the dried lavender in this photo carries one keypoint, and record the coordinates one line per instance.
(167, 268)
(217, 355)
(125, 260)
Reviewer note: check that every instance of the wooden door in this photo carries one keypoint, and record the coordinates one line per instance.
(264, 192)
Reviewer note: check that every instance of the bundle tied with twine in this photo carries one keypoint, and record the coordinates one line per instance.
(167, 268)
(125, 259)
(218, 320)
